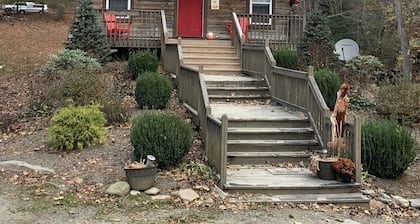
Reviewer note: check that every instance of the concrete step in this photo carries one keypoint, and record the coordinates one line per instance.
(273, 146)
(237, 90)
(270, 133)
(257, 157)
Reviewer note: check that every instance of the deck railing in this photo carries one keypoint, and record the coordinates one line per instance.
(279, 30)
(193, 92)
(146, 30)
(298, 90)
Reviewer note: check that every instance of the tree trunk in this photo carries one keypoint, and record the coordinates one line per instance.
(406, 70)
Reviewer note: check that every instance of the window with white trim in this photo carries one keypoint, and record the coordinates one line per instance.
(118, 4)
(261, 7)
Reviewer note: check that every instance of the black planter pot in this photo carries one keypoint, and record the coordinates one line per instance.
(325, 171)
(141, 178)
(345, 178)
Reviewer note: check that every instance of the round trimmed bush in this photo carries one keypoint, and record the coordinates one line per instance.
(387, 148)
(286, 57)
(77, 128)
(328, 83)
(141, 62)
(152, 90)
(165, 135)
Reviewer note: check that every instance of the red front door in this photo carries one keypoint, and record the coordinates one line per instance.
(190, 18)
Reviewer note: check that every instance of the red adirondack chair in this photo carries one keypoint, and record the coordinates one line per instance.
(114, 28)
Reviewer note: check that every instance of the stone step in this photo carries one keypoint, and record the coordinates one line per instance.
(270, 133)
(237, 90)
(257, 157)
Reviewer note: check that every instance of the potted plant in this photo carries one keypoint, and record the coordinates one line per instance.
(141, 175)
(345, 168)
(321, 167)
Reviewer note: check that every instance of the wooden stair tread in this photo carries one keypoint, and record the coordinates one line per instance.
(302, 154)
(274, 142)
(336, 198)
(269, 130)
(233, 88)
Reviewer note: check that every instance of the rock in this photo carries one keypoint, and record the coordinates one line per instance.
(209, 201)
(415, 203)
(350, 221)
(374, 205)
(368, 192)
(188, 194)
(385, 198)
(120, 188)
(401, 201)
(27, 165)
(202, 187)
(152, 191)
(134, 192)
(161, 197)
(220, 192)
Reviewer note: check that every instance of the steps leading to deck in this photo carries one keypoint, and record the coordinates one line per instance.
(218, 57)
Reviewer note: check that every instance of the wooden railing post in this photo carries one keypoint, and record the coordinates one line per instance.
(223, 152)
(357, 153)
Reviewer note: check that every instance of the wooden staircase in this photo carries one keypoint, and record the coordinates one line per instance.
(262, 136)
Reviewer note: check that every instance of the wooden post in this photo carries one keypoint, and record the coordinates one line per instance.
(311, 70)
(223, 151)
(200, 69)
(357, 154)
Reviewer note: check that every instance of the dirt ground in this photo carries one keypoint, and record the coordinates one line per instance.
(74, 193)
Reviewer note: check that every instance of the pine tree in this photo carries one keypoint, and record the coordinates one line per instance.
(316, 47)
(86, 34)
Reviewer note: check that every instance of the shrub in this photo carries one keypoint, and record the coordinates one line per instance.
(87, 34)
(141, 62)
(114, 107)
(82, 85)
(387, 148)
(363, 69)
(286, 57)
(328, 83)
(68, 60)
(77, 128)
(316, 47)
(401, 101)
(358, 102)
(152, 90)
(164, 135)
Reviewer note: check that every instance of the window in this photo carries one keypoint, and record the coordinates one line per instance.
(118, 4)
(261, 7)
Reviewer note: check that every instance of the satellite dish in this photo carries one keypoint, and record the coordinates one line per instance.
(346, 49)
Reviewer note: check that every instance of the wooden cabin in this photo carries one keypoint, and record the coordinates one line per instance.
(195, 18)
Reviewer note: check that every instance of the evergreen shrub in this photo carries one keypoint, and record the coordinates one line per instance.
(165, 135)
(76, 127)
(328, 83)
(387, 148)
(152, 90)
(141, 62)
(286, 57)
(68, 60)
(87, 34)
